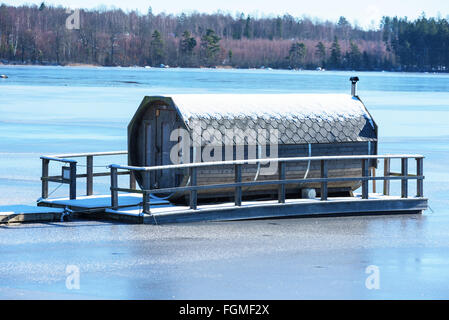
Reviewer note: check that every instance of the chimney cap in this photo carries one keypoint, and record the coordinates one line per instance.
(354, 79)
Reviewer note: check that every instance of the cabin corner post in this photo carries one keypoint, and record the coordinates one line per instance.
(44, 178)
(404, 180)
(386, 174)
(365, 175)
(89, 175)
(281, 188)
(238, 189)
(72, 187)
(324, 175)
(420, 178)
(114, 186)
(193, 192)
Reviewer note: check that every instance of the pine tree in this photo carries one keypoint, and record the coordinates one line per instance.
(247, 30)
(187, 44)
(335, 58)
(354, 57)
(321, 53)
(297, 54)
(210, 47)
(157, 54)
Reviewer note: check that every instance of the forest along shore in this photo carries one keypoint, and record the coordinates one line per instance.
(112, 37)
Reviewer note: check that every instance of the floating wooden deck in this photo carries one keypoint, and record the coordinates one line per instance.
(162, 212)
(376, 204)
(142, 205)
(96, 203)
(22, 213)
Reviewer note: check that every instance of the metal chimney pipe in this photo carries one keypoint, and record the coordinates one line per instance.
(354, 81)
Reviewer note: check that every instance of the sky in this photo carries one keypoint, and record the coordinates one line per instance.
(364, 13)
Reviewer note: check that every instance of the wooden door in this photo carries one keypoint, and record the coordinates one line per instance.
(165, 124)
(149, 153)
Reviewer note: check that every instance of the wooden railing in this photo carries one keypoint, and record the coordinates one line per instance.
(193, 188)
(73, 168)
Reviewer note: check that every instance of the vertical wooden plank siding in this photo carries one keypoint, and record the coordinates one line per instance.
(89, 175)
(324, 183)
(404, 173)
(365, 173)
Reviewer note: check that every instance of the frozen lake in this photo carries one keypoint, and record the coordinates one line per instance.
(45, 110)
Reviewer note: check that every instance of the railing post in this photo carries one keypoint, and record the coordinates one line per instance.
(114, 185)
(386, 174)
(44, 177)
(132, 180)
(89, 175)
(146, 202)
(404, 181)
(193, 193)
(365, 174)
(146, 193)
(281, 187)
(324, 183)
(238, 179)
(419, 181)
(72, 180)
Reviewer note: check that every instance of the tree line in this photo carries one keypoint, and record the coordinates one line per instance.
(112, 37)
(420, 45)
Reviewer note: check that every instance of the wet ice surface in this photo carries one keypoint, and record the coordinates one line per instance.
(280, 259)
(61, 110)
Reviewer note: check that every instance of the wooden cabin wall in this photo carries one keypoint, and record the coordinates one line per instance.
(212, 175)
(337, 168)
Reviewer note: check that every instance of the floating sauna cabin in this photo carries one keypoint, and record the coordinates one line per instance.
(307, 125)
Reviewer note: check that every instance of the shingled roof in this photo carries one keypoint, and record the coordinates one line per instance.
(299, 118)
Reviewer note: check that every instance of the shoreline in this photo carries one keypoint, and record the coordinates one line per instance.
(86, 65)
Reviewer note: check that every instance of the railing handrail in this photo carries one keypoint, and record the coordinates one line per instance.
(238, 184)
(268, 182)
(256, 161)
(59, 159)
(86, 154)
(282, 180)
(89, 175)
